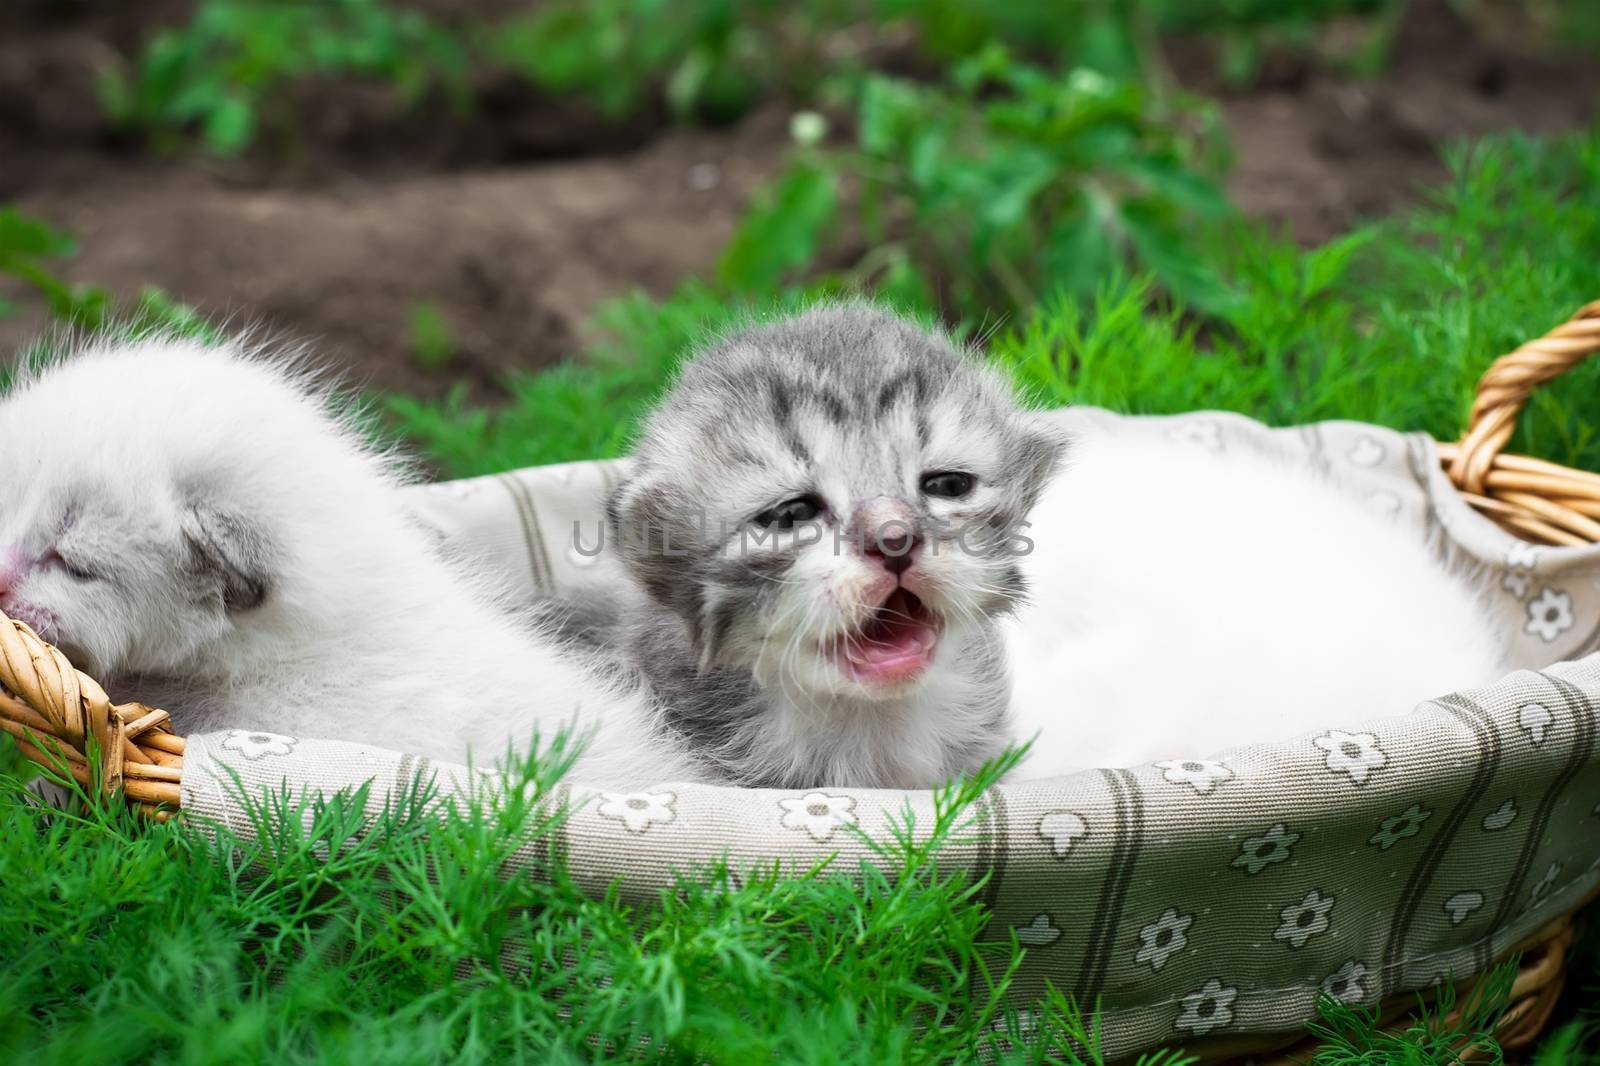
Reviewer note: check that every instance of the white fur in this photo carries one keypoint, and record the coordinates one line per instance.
(1185, 601)
(365, 633)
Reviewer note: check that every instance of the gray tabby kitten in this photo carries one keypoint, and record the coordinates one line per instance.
(823, 520)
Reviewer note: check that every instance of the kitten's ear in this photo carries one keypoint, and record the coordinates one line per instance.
(636, 513)
(1041, 447)
(227, 548)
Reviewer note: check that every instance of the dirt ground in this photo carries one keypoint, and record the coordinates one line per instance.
(516, 219)
(1318, 151)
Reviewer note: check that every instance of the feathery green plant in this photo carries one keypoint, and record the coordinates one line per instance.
(219, 74)
(1350, 1034)
(393, 936)
(424, 926)
(27, 243)
(997, 191)
(1393, 324)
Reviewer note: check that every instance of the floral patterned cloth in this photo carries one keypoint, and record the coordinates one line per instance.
(1209, 897)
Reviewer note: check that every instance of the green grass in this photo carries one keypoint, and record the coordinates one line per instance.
(218, 80)
(28, 249)
(582, 409)
(1349, 1035)
(334, 935)
(1393, 325)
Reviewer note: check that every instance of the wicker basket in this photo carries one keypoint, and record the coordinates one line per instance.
(63, 718)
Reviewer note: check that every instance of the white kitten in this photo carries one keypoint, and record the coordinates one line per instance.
(1186, 601)
(196, 528)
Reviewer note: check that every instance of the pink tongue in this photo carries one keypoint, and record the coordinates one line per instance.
(896, 645)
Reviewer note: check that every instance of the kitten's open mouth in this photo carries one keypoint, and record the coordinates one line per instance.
(896, 644)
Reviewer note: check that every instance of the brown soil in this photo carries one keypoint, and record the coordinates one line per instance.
(512, 257)
(1317, 151)
(517, 218)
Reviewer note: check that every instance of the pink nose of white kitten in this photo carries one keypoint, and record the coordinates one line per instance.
(12, 566)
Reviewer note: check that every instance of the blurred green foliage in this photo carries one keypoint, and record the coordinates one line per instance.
(27, 245)
(1193, 16)
(219, 74)
(1393, 324)
(226, 71)
(715, 57)
(433, 345)
(710, 54)
(707, 60)
(1004, 186)
(580, 409)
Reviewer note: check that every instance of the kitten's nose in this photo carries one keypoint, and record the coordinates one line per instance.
(10, 570)
(886, 529)
(895, 553)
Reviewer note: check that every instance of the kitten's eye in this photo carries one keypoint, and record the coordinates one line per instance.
(787, 513)
(53, 558)
(949, 484)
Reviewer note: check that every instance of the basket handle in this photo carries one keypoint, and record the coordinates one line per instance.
(59, 714)
(1506, 386)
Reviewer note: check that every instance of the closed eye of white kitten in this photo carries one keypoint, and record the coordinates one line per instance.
(201, 530)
